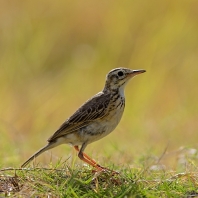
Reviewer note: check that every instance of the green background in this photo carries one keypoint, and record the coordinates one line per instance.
(54, 55)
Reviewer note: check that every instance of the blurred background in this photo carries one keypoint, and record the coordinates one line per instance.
(54, 55)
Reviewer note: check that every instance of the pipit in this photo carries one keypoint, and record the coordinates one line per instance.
(95, 119)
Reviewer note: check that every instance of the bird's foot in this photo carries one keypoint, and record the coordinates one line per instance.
(99, 169)
(104, 174)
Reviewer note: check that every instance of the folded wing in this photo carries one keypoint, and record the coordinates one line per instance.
(93, 109)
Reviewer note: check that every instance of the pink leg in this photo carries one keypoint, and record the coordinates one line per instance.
(91, 162)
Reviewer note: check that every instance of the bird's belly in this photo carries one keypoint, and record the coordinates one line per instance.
(94, 131)
(102, 128)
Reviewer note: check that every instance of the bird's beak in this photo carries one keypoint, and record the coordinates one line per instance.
(136, 72)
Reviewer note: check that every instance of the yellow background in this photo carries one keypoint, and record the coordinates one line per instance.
(54, 55)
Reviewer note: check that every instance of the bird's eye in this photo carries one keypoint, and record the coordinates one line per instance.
(120, 73)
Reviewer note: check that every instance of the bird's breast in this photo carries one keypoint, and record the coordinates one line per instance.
(116, 110)
(109, 122)
(102, 127)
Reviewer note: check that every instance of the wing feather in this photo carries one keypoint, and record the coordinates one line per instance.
(93, 109)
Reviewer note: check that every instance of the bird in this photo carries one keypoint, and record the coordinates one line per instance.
(95, 119)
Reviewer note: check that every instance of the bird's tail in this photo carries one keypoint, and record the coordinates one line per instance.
(47, 147)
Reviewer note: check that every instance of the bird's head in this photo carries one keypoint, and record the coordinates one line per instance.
(118, 78)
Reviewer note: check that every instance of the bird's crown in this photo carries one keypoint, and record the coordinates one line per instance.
(118, 77)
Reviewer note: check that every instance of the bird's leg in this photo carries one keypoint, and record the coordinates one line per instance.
(83, 156)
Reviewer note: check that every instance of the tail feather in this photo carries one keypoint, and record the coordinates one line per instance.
(47, 147)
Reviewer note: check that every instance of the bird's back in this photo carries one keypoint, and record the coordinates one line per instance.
(92, 110)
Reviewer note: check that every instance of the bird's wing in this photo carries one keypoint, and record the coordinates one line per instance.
(93, 109)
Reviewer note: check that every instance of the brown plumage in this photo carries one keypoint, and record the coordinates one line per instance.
(95, 119)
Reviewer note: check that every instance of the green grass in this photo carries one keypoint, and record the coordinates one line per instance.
(54, 55)
(149, 180)
(146, 177)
